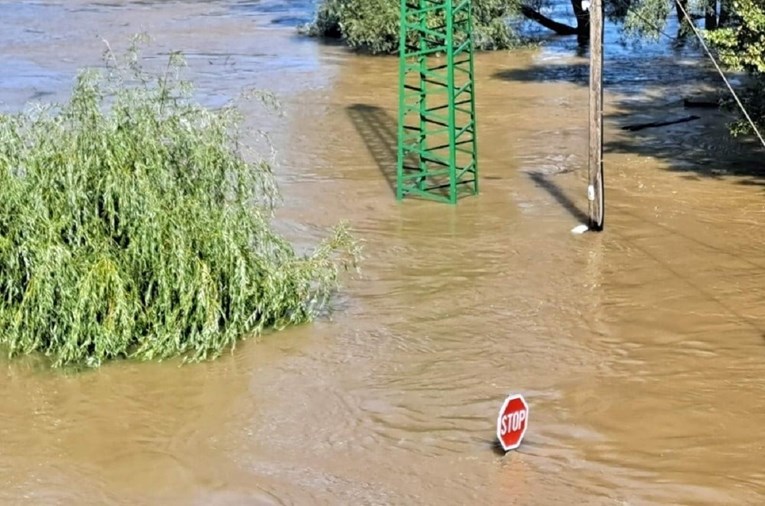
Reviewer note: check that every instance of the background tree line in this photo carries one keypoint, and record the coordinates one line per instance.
(735, 28)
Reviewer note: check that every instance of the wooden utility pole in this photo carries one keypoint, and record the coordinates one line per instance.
(595, 190)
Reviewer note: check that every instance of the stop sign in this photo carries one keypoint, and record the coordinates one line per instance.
(512, 422)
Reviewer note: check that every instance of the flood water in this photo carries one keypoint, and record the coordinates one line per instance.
(641, 350)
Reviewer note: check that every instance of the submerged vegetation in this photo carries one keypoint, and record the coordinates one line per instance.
(131, 226)
(373, 25)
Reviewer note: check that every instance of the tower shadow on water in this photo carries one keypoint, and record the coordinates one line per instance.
(377, 129)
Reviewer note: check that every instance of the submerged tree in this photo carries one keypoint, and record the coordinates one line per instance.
(373, 25)
(132, 226)
(640, 18)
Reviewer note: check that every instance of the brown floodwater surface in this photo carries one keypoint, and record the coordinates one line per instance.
(641, 350)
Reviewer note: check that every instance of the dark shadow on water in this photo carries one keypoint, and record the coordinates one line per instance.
(496, 447)
(698, 149)
(575, 73)
(378, 131)
(618, 73)
(557, 193)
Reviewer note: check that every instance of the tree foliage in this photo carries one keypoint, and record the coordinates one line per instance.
(373, 25)
(741, 46)
(132, 226)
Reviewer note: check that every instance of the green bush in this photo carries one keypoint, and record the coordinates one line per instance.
(741, 46)
(373, 25)
(132, 227)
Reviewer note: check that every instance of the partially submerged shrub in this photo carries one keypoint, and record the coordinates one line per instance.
(373, 25)
(132, 226)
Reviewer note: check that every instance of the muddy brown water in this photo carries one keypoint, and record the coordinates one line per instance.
(641, 350)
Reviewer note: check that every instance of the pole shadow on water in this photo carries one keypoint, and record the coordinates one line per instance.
(555, 192)
(378, 131)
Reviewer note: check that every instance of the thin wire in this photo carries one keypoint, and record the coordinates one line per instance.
(722, 74)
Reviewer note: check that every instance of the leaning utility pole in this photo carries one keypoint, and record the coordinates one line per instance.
(595, 189)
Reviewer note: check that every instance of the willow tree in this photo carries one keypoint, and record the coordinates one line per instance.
(132, 226)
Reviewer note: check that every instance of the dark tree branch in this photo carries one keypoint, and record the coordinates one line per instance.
(559, 28)
(641, 126)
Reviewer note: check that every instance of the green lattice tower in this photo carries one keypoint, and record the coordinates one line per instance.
(437, 147)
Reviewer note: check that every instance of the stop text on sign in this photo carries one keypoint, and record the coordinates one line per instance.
(512, 422)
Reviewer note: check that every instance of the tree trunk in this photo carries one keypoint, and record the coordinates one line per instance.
(582, 21)
(724, 13)
(680, 16)
(710, 18)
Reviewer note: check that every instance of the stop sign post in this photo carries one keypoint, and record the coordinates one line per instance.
(512, 422)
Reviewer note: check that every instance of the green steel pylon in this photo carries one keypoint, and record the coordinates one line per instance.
(437, 148)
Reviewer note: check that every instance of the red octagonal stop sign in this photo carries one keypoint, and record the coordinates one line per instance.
(512, 422)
